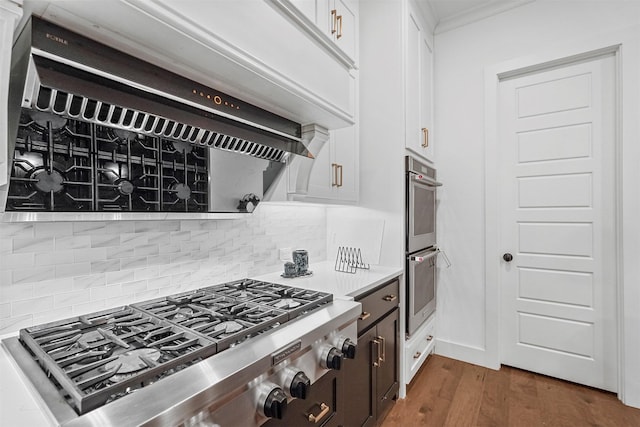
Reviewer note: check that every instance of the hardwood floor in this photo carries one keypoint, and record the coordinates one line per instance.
(447, 392)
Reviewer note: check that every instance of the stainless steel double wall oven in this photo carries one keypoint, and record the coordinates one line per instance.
(421, 244)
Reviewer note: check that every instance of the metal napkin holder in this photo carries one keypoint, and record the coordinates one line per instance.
(348, 260)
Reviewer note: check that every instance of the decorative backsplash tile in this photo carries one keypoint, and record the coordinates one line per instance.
(50, 271)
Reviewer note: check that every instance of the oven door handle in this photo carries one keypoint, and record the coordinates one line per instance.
(426, 180)
(420, 259)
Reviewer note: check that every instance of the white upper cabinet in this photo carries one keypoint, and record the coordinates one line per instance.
(333, 23)
(335, 173)
(250, 49)
(419, 86)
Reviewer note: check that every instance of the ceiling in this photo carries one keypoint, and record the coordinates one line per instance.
(449, 14)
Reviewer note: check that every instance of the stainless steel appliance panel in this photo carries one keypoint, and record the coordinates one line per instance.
(421, 205)
(421, 287)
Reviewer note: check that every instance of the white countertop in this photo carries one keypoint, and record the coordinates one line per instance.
(19, 407)
(341, 285)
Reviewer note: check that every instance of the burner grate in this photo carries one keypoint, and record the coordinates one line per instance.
(112, 352)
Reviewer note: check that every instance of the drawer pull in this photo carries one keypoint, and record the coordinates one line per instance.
(324, 410)
(390, 298)
(365, 315)
(430, 337)
(417, 355)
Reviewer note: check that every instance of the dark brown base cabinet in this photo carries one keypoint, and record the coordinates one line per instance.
(371, 380)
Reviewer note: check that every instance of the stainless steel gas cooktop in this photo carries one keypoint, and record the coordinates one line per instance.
(107, 359)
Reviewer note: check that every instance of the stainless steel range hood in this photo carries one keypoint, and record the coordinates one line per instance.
(59, 72)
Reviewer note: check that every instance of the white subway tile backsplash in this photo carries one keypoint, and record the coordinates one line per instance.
(72, 242)
(73, 269)
(146, 226)
(146, 250)
(5, 310)
(121, 276)
(9, 261)
(132, 288)
(53, 315)
(104, 240)
(105, 292)
(90, 281)
(71, 298)
(93, 254)
(48, 229)
(146, 273)
(89, 228)
(105, 266)
(32, 244)
(159, 282)
(120, 252)
(33, 274)
(52, 287)
(134, 239)
(135, 262)
(14, 323)
(50, 271)
(16, 230)
(53, 258)
(89, 307)
(31, 305)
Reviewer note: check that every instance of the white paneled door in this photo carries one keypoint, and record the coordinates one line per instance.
(557, 198)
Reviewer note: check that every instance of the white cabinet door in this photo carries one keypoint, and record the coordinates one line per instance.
(426, 98)
(335, 174)
(346, 30)
(345, 148)
(336, 20)
(419, 89)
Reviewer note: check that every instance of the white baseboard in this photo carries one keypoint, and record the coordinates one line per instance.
(466, 353)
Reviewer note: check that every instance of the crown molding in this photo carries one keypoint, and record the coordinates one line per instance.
(477, 13)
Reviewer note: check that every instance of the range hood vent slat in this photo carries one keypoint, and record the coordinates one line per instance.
(102, 113)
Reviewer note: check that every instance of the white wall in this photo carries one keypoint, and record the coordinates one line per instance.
(461, 56)
(51, 271)
(381, 127)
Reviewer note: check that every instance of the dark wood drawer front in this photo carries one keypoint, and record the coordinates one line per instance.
(378, 303)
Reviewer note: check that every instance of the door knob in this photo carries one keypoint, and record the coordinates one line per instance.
(507, 257)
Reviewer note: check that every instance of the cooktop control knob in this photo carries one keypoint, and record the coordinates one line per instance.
(275, 404)
(331, 358)
(347, 347)
(300, 385)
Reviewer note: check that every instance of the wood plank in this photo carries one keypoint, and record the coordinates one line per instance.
(447, 392)
(466, 401)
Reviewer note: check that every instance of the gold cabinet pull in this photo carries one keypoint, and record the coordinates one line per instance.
(377, 362)
(390, 298)
(382, 358)
(364, 315)
(324, 410)
(334, 20)
(417, 355)
(334, 182)
(339, 20)
(340, 167)
(425, 137)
